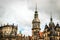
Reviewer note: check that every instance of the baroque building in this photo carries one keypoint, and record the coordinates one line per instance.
(52, 32)
(23, 37)
(35, 29)
(36, 26)
(8, 32)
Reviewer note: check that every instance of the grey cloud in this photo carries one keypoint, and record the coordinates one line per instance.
(47, 6)
(2, 11)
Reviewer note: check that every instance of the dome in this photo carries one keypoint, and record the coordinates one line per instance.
(36, 20)
(51, 22)
(57, 25)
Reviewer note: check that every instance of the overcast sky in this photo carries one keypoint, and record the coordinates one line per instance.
(21, 12)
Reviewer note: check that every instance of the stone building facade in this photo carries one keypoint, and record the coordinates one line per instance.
(8, 32)
(36, 27)
(52, 32)
(23, 37)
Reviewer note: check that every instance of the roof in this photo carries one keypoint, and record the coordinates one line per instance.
(36, 20)
(46, 27)
(8, 26)
(41, 34)
(57, 26)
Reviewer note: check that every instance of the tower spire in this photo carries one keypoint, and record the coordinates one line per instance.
(51, 17)
(36, 8)
(36, 12)
(51, 24)
(36, 26)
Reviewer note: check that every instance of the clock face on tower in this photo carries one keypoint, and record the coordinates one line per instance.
(35, 25)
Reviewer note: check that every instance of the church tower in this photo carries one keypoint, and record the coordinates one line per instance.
(35, 26)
